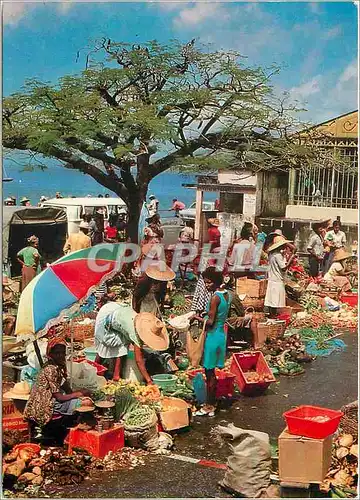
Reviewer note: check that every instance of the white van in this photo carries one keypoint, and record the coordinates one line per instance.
(76, 208)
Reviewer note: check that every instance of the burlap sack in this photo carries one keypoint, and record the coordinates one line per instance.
(249, 466)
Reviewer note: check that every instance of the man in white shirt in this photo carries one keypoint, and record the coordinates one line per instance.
(334, 239)
(153, 205)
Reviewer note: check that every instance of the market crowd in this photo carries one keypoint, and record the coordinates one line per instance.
(139, 327)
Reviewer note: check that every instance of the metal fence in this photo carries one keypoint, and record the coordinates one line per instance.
(323, 187)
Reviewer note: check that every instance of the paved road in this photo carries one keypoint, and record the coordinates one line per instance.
(329, 382)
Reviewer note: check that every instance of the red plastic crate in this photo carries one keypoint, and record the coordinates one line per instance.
(246, 361)
(350, 298)
(97, 444)
(296, 420)
(225, 382)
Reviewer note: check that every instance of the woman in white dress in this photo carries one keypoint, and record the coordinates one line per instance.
(275, 294)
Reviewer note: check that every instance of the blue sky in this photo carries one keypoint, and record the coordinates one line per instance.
(315, 42)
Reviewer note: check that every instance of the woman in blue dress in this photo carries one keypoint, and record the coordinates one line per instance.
(215, 341)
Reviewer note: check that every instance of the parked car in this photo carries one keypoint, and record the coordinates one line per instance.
(189, 213)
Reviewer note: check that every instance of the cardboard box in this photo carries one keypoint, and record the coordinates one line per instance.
(302, 459)
(12, 419)
(251, 288)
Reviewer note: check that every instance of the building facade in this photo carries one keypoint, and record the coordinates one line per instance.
(323, 192)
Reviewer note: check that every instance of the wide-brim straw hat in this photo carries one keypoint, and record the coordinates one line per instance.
(278, 242)
(159, 271)
(214, 222)
(341, 254)
(24, 199)
(21, 390)
(152, 331)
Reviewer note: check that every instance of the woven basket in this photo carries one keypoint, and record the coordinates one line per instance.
(349, 422)
(257, 304)
(251, 288)
(271, 330)
(80, 332)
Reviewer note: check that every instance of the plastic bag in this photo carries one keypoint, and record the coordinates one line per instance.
(249, 465)
(83, 376)
(195, 348)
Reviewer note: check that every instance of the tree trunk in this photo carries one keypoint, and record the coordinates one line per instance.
(135, 205)
(133, 221)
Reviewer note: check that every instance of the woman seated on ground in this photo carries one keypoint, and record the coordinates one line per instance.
(337, 273)
(51, 394)
(215, 342)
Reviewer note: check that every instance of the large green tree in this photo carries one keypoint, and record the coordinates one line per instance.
(135, 112)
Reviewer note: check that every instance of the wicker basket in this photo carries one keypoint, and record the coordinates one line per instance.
(256, 304)
(349, 422)
(80, 332)
(251, 288)
(271, 330)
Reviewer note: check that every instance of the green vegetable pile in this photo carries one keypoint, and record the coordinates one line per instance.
(309, 302)
(320, 335)
(182, 390)
(139, 416)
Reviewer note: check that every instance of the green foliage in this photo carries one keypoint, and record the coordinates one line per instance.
(206, 109)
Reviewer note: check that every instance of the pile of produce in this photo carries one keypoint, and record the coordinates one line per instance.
(309, 302)
(320, 335)
(30, 466)
(345, 317)
(183, 388)
(253, 377)
(139, 416)
(342, 478)
(284, 355)
(145, 394)
(126, 458)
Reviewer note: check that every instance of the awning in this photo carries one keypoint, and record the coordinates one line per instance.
(26, 216)
(222, 188)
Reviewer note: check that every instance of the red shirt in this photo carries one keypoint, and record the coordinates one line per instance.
(111, 232)
(214, 237)
(178, 205)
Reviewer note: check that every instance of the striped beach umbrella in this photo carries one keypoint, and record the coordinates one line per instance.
(65, 282)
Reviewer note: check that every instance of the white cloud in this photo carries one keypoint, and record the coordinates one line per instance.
(200, 12)
(302, 92)
(332, 33)
(349, 73)
(13, 12)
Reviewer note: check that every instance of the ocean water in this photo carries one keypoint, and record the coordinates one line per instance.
(38, 183)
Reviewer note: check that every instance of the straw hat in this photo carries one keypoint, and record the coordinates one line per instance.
(152, 331)
(23, 199)
(341, 254)
(278, 242)
(159, 271)
(214, 222)
(21, 390)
